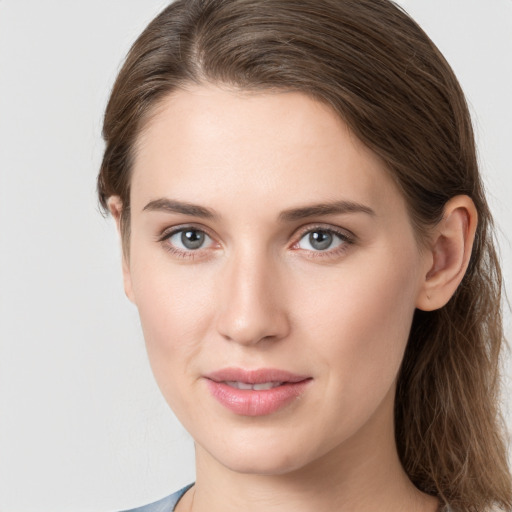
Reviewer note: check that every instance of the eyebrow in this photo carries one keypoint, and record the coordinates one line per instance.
(172, 206)
(334, 208)
(291, 215)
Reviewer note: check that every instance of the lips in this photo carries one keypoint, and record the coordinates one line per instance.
(255, 392)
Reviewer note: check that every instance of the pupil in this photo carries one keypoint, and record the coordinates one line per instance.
(192, 239)
(320, 240)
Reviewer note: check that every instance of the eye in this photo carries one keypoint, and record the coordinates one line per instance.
(186, 239)
(321, 240)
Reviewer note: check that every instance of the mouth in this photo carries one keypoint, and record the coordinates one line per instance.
(256, 387)
(256, 392)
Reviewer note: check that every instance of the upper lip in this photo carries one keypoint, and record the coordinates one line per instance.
(258, 376)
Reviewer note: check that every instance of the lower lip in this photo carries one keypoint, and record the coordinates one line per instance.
(249, 402)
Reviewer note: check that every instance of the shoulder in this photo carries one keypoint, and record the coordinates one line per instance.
(166, 504)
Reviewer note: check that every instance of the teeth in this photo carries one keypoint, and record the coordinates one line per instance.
(240, 385)
(266, 385)
(256, 387)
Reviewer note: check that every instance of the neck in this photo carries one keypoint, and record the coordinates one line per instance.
(363, 474)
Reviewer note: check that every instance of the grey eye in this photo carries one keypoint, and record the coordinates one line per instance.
(192, 239)
(189, 239)
(320, 240)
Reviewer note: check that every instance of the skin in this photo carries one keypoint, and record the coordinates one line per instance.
(258, 294)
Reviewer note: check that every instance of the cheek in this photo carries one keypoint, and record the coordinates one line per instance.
(359, 320)
(174, 303)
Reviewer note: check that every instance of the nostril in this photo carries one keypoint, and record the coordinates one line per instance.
(254, 330)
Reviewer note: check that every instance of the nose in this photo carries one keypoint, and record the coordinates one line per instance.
(251, 308)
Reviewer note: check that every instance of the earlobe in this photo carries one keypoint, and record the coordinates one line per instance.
(449, 253)
(115, 206)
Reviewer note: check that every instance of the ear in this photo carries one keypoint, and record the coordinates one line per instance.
(449, 253)
(115, 205)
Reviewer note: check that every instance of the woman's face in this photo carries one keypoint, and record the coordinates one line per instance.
(276, 273)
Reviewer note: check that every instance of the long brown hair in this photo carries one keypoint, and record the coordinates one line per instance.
(381, 73)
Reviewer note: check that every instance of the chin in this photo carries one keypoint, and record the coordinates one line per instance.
(264, 464)
(264, 457)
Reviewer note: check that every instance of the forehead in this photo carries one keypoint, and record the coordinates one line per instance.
(207, 144)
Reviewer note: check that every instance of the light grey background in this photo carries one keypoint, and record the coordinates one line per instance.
(82, 424)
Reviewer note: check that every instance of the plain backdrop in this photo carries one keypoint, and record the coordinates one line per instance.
(82, 424)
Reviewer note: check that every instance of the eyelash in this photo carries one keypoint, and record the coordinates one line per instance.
(186, 255)
(345, 238)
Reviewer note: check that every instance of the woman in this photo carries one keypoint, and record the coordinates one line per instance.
(306, 238)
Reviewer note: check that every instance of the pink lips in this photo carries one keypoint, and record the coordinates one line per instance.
(255, 392)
